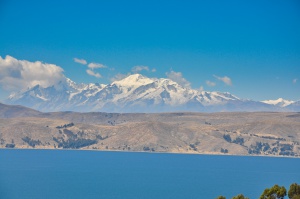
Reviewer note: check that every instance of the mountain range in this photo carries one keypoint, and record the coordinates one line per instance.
(137, 93)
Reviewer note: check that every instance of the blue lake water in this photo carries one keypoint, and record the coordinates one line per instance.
(93, 174)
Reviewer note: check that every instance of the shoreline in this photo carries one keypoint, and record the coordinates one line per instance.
(175, 153)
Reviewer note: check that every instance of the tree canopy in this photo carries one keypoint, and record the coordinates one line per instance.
(294, 192)
(221, 197)
(275, 192)
(240, 196)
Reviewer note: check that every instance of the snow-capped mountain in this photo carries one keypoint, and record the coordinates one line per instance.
(135, 93)
(295, 106)
(279, 102)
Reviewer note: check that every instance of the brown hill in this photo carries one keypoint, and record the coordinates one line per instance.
(244, 133)
(11, 111)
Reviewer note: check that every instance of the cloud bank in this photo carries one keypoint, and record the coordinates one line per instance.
(137, 69)
(119, 76)
(94, 65)
(92, 73)
(201, 88)
(209, 83)
(224, 79)
(21, 74)
(177, 77)
(295, 81)
(91, 66)
(80, 61)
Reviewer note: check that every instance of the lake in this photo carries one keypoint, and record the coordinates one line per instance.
(94, 174)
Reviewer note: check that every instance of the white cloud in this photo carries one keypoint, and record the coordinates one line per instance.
(224, 79)
(91, 67)
(201, 89)
(96, 65)
(119, 76)
(137, 69)
(177, 77)
(295, 80)
(20, 74)
(92, 73)
(209, 83)
(80, 61)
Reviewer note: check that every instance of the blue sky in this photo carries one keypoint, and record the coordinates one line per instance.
(256, 44)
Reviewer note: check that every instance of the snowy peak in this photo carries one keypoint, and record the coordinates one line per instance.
(133, 81)
(279, 102)
(137, 93)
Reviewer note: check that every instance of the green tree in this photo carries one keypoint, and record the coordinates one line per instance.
(221, 197)
(275, 192)
(240, 196)
(294, 192)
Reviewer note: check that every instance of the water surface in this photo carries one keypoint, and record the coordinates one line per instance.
(94, 174)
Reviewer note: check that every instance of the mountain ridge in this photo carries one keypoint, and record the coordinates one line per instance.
(279, 102)
(137, 93)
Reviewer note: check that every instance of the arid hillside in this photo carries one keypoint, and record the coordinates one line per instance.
(258, 133)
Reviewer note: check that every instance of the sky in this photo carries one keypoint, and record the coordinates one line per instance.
(248, 48)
